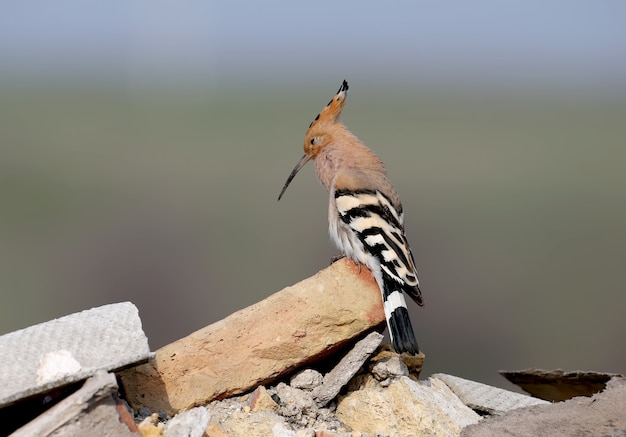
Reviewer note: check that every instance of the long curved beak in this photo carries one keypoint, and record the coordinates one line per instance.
(295, 170)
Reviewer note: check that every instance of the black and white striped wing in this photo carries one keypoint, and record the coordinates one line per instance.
(380, 228)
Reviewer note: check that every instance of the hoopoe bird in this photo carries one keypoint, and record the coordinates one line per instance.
(365, 215)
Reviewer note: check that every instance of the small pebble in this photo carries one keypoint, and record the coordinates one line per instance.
(308, 379)
(143, 413)
(389, 368)
(163, 416)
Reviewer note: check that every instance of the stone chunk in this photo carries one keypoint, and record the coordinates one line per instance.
(92, 410)
(150, 426)
(260, 400)
(600, 415)
(190, 423)
(261, 343)
(482, 397)
(70, 349)
(341, 374)
(389, 367)
(413, 363)
(405, 408)
(307, 379)
(241, 424)
(295, 403)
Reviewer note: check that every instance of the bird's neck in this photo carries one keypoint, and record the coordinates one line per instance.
(346, 156)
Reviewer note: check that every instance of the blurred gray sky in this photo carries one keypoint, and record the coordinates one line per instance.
(559, 43)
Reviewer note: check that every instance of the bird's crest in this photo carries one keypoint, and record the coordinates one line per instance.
(332, 111)
(316, 139)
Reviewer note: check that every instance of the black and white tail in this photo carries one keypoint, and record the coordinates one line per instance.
(397, 315)
(372, 233)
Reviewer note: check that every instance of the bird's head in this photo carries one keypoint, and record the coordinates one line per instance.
(322, 131)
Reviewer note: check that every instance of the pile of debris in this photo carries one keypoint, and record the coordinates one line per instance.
(307, 361)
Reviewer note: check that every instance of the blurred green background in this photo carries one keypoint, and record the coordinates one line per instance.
(143, 146)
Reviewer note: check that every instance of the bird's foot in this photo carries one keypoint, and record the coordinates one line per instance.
(336, 258)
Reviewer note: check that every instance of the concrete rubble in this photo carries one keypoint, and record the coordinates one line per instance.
(70, 349)
(190, 423)
(94, 406)
(487, 399)
(305, 362)
(603, 414)
(312, 320)
(341, 374)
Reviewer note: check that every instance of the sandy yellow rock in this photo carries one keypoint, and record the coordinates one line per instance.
(214, 430)
(150, 426)
(260, 343)
(406, 408)
(260, 400)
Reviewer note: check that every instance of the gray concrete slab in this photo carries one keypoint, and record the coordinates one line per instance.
(90, 411)
(341, 374)
(70, 349)
(486, 398)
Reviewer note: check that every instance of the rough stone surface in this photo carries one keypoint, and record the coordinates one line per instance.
(296, 413)
(228, 418)
(91, 408)
(389, 367)
(280, 430)
(190, 423)
(215, 430)
(261, 400)
(486, 398)
(400, 406)
(261, 343)
(341, 374)
(294, 403)
(413, 363)
(307, 379)
(405, 408)
(151, 427)
(70, 349)
(601, 415)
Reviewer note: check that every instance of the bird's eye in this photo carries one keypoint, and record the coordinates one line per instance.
(313, 141)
